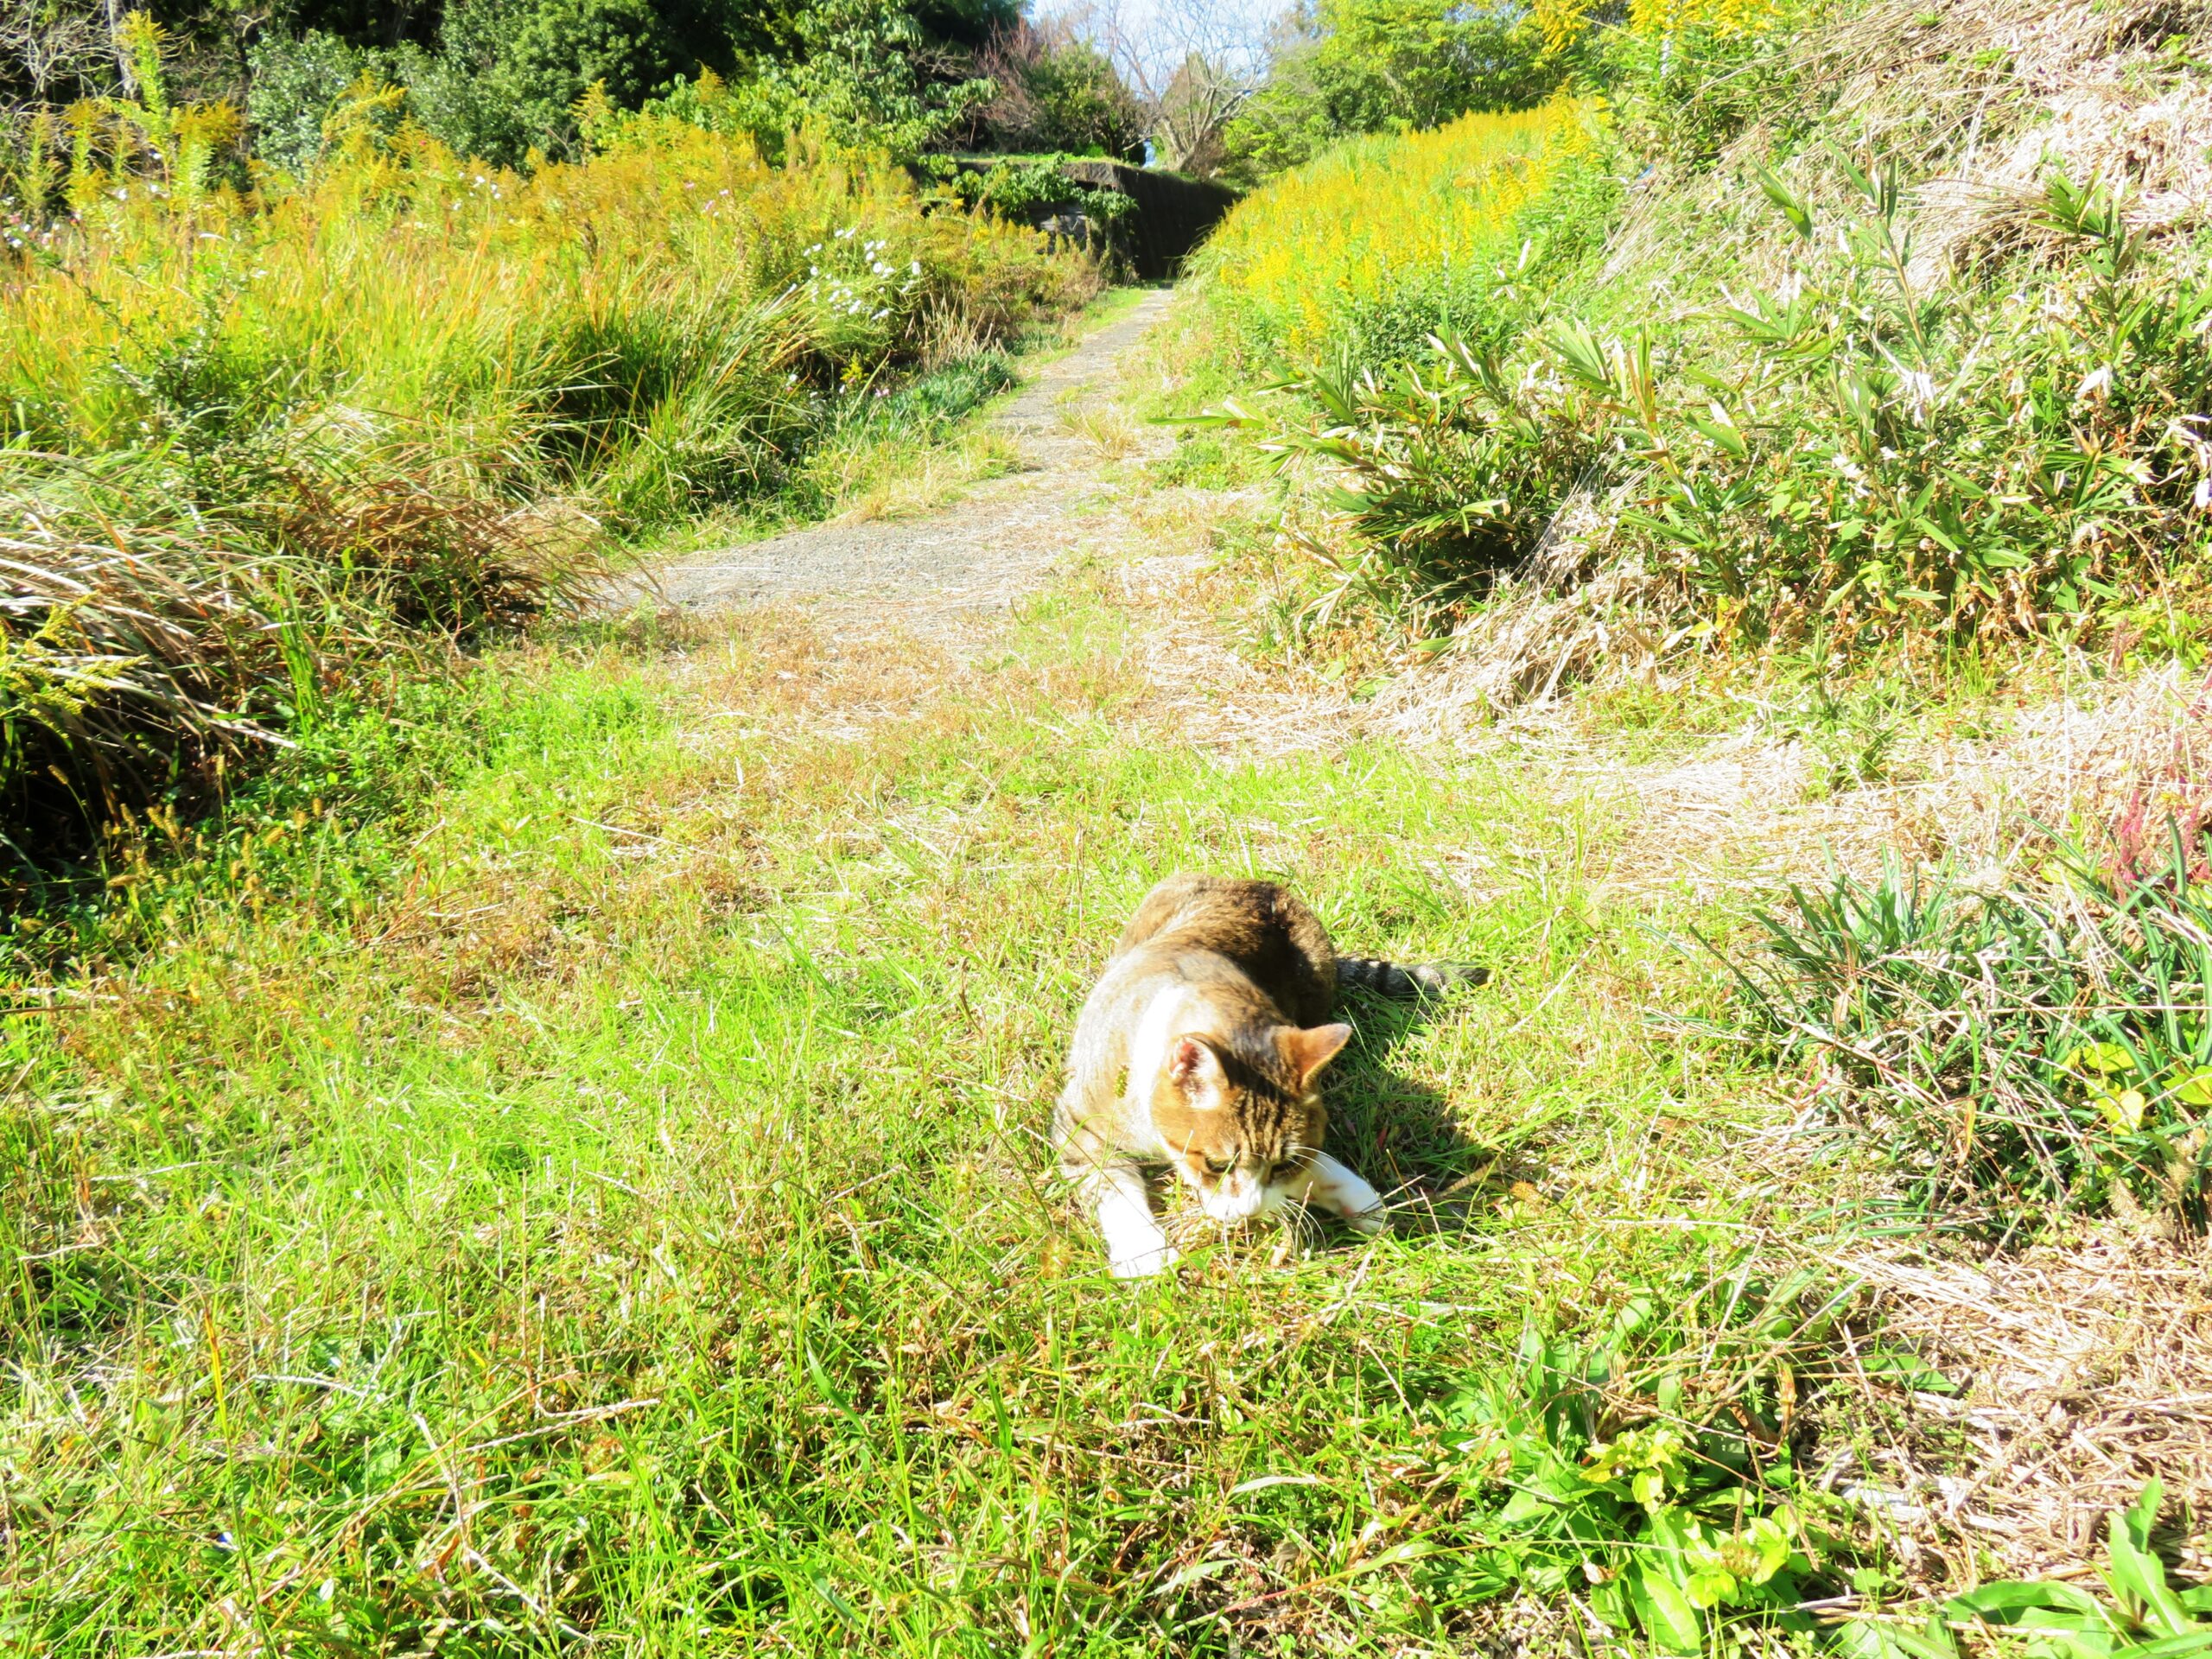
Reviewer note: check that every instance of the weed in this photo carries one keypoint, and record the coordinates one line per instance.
(2012, 1048)
(254, 443)
(2142, 1615)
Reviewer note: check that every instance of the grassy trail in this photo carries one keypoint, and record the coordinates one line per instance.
(603, 1204)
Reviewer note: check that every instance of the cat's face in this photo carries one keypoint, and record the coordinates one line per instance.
(1243, 1124)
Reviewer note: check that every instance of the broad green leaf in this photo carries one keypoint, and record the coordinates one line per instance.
(2195, 1090)
(2171, 1647)
(1903, 1366)
(2141, 1576)
(1667, 1618)
(2122, 1108)
(1793, 209)
(2005, 1601)
(2099, 1057)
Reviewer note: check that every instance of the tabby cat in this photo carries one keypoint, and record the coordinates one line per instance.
(1201, 1047)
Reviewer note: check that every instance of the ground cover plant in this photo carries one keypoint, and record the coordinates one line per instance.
(602, 1199)
(2038, 1044)
(254, 441)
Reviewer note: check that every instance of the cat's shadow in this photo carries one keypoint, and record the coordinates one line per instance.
(1402, 1134)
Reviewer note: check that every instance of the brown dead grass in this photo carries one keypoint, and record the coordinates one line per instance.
(2086, 1367)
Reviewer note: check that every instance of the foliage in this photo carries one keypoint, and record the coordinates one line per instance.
(1883, 455)
(2142, 1615)
(501, 80)
(1369, 250)
(1390, 66)
(1862, 452)
(857, 82)
(1400, 445)
(311, 422)
(498, 80)
(1026, 188)
(1053, 93)
(1647, 1467)
(2014, 1049)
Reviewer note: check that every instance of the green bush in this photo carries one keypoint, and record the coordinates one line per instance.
(2008, 1051)
(1402, 445)
(1855, 453)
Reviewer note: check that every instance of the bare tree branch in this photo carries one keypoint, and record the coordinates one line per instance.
(1193, 63)
(47, 43)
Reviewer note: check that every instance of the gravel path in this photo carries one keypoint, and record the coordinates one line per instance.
(982, 552)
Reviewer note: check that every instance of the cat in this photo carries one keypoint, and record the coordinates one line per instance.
(1201, 1047)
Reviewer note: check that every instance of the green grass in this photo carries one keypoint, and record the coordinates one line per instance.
(603, 1192)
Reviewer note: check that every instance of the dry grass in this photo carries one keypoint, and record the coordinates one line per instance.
(2085, 1369)
(1108, 428)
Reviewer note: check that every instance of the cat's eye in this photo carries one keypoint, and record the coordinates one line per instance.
(1220, 1166)
(1283, 1170)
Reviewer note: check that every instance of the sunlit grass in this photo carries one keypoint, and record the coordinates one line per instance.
(608, 1195)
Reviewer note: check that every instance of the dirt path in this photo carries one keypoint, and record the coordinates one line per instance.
(981, 552)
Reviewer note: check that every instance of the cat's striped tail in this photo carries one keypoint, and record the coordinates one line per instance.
(1409, 980)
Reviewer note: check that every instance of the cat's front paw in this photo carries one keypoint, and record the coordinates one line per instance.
(1145, 1264)
(1371, 1221)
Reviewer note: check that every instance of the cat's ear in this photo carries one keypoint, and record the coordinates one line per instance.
(1309, 1051)
(1194, 1067)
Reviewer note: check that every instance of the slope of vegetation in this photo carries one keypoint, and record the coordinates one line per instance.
(1384, 240)
(1810, 389)
(1848, 387)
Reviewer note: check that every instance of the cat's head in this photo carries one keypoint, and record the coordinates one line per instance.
(1242, 1121)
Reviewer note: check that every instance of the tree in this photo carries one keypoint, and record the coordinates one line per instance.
(1194, 64)
(1342, 66)
(1054, 91)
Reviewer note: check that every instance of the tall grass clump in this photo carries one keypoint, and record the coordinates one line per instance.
(251, 435)
(2045, 1044)
(1374, 246)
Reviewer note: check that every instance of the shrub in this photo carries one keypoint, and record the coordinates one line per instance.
(1859, 453)
(1872, 454)
(1402, 444)
(1365, 252)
